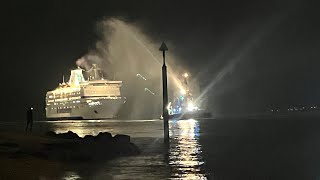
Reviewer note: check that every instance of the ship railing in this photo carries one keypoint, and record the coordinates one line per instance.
(102, 97)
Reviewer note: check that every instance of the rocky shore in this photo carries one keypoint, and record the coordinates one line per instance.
(31, 155)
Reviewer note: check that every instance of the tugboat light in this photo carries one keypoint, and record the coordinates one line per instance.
(191, 107)
(182, 91)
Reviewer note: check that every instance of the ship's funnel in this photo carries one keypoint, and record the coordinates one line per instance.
(95, 75)
(76, 77)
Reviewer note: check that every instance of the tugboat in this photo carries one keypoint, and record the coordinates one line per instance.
(183, 105)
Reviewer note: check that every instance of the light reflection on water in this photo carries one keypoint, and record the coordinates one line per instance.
(185, 161)
(69, 175)
(181, 161)
(232, 148)
(133, 128)
(185, 150)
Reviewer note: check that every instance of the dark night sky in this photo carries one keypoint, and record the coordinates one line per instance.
(275, 45)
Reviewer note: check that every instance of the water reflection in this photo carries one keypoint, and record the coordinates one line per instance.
(79, 127)
(185, 150)
(70, 175)
(133, 128)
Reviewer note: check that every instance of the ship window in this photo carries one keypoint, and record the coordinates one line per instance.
(64, 111)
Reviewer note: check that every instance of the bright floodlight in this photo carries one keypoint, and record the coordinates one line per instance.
(191, 106)
(185, 75)
(183, 92)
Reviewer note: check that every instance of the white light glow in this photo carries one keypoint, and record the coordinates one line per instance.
(185, 155)
(191, 107)
(182, 91)
(169, 105)
(94, 103)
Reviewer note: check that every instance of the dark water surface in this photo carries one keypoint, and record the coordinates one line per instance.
(272, 148)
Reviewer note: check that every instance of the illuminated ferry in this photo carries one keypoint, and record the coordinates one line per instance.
(95, 98)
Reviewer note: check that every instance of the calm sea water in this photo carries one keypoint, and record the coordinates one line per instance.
(269, 148)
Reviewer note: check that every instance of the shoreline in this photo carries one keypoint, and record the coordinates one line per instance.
(33, 155)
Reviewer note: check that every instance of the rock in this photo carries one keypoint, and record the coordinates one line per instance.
(51, 134)
(72, 135)
(89, 138)
(69, 135)
(90, 148)
(104, 137)
(121, 138)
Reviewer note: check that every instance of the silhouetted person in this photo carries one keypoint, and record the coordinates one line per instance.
(29, 119)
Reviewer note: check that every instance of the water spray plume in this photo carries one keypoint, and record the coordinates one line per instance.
(125, 53)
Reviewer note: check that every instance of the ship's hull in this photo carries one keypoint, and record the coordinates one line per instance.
(97, 109)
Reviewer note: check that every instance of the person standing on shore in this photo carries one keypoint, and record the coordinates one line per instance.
(29, 119)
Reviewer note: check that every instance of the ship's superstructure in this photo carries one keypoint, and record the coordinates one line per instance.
(95, 98)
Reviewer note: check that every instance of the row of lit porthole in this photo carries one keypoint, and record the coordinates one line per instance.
(63, 93)
(68, 107)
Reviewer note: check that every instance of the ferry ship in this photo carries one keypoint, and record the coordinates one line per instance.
(94, 98)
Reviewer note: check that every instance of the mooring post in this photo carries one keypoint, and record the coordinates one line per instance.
(165, 114)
